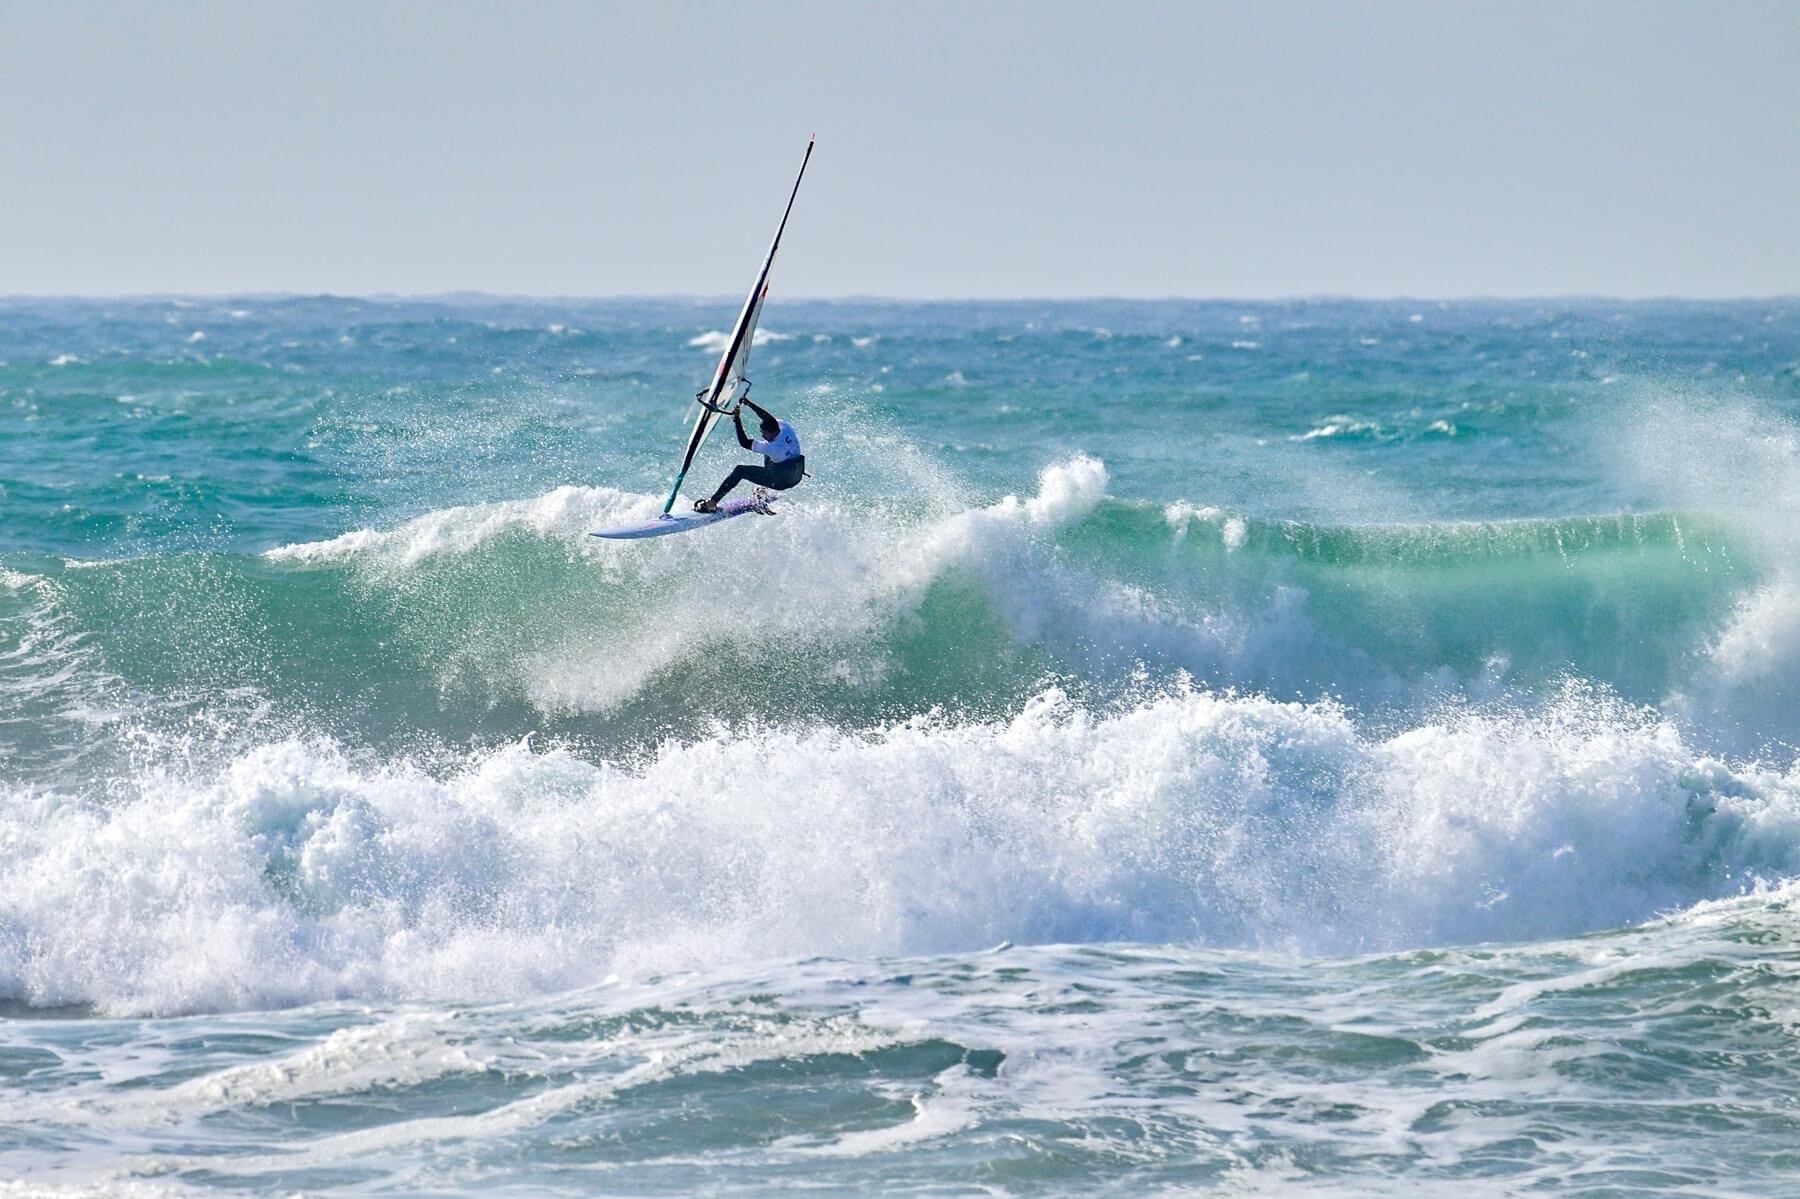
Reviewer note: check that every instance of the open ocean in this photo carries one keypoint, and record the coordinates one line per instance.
(1333, 748)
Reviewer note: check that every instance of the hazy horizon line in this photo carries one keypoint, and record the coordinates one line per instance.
(464, 295)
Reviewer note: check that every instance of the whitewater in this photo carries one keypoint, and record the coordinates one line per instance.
(1320, 747)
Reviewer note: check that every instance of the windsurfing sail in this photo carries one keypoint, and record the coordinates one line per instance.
(730, 383)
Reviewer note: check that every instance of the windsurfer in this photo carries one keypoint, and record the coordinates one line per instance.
(783, 463)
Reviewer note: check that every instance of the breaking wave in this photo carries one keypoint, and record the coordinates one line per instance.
(302, 870)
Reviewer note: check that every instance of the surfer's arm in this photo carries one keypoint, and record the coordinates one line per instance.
(737, 421)
(757, 408)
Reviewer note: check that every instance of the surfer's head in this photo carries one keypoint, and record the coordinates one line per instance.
(770, 427)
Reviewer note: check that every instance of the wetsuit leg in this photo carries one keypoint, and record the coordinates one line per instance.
(779, 477)
(758, 475)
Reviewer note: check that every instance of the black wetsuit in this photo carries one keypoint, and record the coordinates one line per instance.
(776, 476)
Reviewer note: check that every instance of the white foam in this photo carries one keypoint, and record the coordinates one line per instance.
(1181, 516)
(716, 341)
(1337, 426)
(1736, 459)
(303, 872)
(1762, 637)
(52, 677)
(394, 1053)
(946, 1113)
(113, 1188)
(1067, 492)
(567, 512)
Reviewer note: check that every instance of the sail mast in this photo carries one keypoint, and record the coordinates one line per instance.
(733, 362)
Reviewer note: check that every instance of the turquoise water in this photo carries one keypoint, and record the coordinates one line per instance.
(1336, 746)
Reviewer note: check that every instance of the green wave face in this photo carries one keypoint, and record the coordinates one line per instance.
(494, 622)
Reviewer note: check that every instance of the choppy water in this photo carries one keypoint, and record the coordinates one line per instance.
(1341, 747)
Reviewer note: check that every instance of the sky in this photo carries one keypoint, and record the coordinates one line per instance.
(986, 149)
